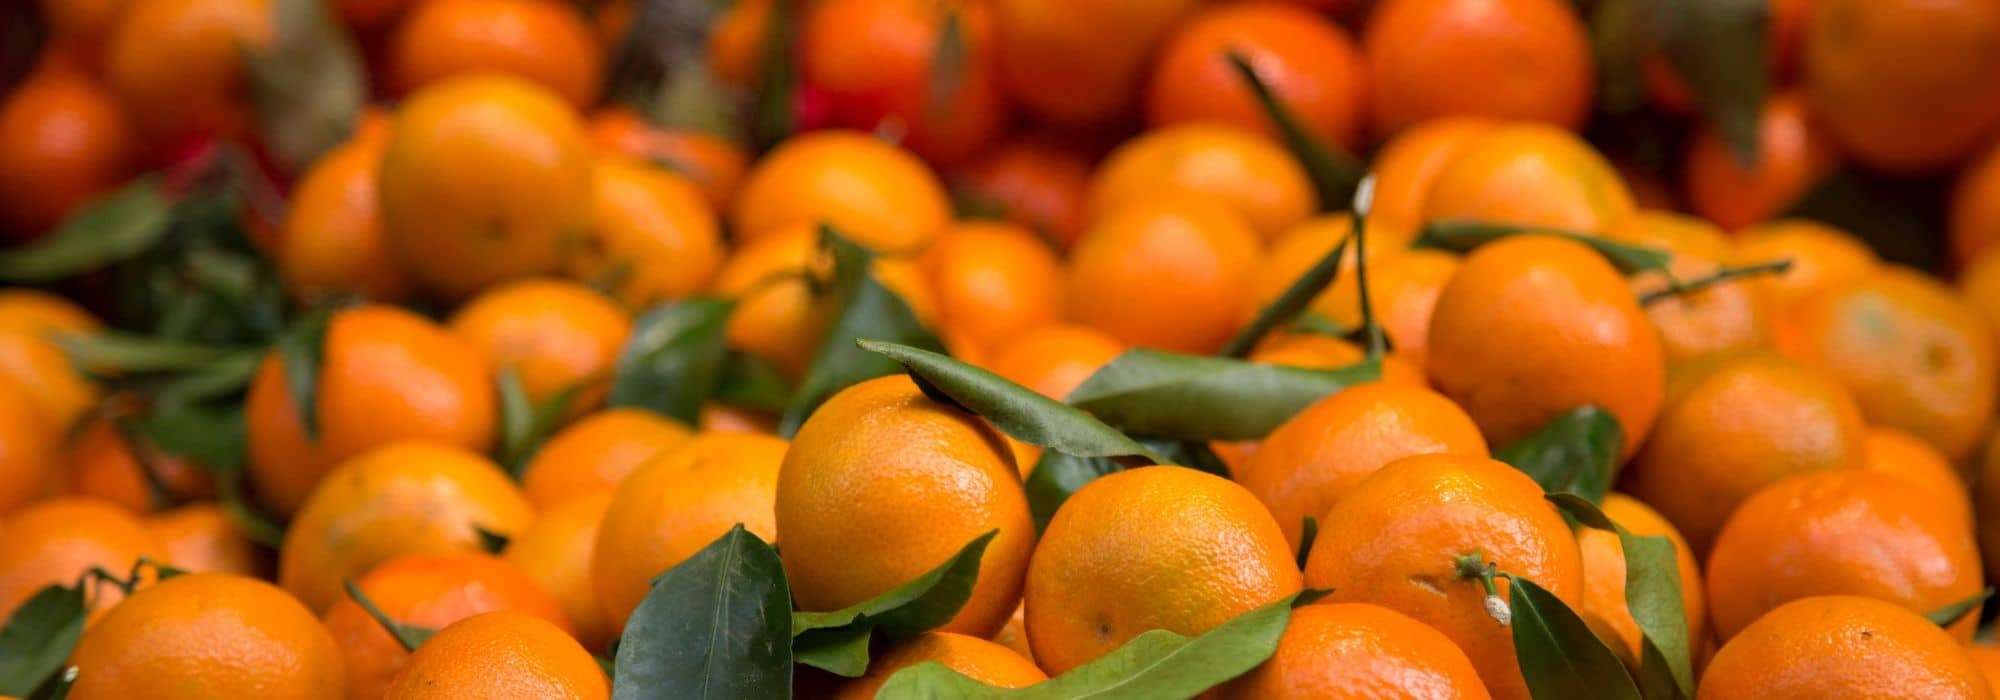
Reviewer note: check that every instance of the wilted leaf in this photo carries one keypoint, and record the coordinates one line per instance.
(309, 86)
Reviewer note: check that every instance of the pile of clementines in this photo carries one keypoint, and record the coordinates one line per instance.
(1520, 349)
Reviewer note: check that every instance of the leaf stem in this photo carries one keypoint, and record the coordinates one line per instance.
(1676, 287)
(1364, 201)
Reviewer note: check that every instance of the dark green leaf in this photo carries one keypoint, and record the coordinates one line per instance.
(39, 637)
(1620, 54)
(1719, 48)
(309, 86)
(210, 435)
(1316, 324)
(841, 651)
(1334, 174)
(947, 66)
(1898, 216)
(1308, 532)
(863, 309)
(302, 350)
(1193, 454)
(1463, 236)
(1576, 452)
(409, 636)
(1952, 613)
(753, 382)
(57, 688)
(921, 604)
(1289, 305)
(674, 360)
(1188, 397)
(113, 353)
(517, 416)
(772, 117)
(1055, 477)
(492, 542)
(1653, 596)
(1016, 410)
(110, 229)
(1559, 656)
(1156, 664)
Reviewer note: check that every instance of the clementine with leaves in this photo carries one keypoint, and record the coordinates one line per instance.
(651, 239)
(430, 592)
(1238, 167)
(58, 540)
(207, 635)
(557, 336)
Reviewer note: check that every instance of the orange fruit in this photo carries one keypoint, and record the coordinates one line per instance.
(876, 194)
(1913, 354)
(713, 164)
(1986, 504)
(1318, 456)
(501, 654)
(107, 463)
(777, 315)
(207, 635)
(989, 663)
(64, 140)
(1822, 256)
(1053, 360)
(1733, 425)
(1842, 647)
(1515, 60)
(720, 418)
(39, 312)
(1249, 173)
(31, 361)
(1308, 61)
(428, 591)
(597, 452)
(1404, 290)
(200, 537)
(332, 244)
(1988, 660)
(1394, 538)
(544, 42)
(30, 448)
(55, 541)
(1547, 313)
(1014, 634)
(735, 49)
(1724, 317)
(370, 14)
(1792, 155)
(1974, 224)
(483, 178)
(402, 498)
(1904, 456)
(1979, 286)
(994, 281)
(1358, 650)
(1300, 247)
(1410, 161)
(886, 83)
(1151, 548)
(1313, 351)
(1166, 271)
(1064, 66)
(557, 551)
(1530, 175)
(882, 484)
(84, 19)
(676, 504)
(178, 66)
(1604, 605)
(1842, 532)
(386, 374)
(1904, 86)
(557, 335)
(652, 239)
(1038, 182)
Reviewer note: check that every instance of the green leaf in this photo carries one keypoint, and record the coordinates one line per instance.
(302, 349)
(1307, 534)
(525, 425)
(1897, 216)
(1559, 656)
(113, 353)
(39, 637)
(863, 309)
(308, 87)
(58, 687)
(110, 229)
(1952, 613)
(408, 636)
(491, 542)
(1188, 397)
(1058, 475)
(1462, 236)
(753, 382)
(948, 61)
(1653, 596)
(1334, 174)
(1156, 664)
(771, 112)
(674, 359)
(1289, 305)
(921, 604)
(1576, 452)
(210, 435)
(1719, 47)
(1016, 410)
(226, 377)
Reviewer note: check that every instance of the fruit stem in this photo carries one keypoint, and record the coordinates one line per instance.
(1676, 287)
(1472, 565)
(1364, 201)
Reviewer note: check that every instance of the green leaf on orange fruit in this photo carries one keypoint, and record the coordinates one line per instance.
(1058, 475)
(38, 638)
(1945, 616)
(1290, 305)
(407, 636)
(674, 360)
(115, 227)
(715, 625)
(1188, 397)
(1462, 236)
(302, 349)
(1653, 597)
(838, 641)
(863, 308)
(1308, 533)
(1334, 174)
(1558, 654)
(1575, 453)
(308, 86)
(524, 424)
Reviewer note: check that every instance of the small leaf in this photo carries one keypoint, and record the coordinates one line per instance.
(409, 636)
(213, 436)
(772, 113)
(1155, 664)
(309, 86)
(114, 353)
(674, 360)
(1576, 452)
(39, 637)
(1462, 236)
(110, 229)
(1188, 397)
(1653, 597)
(863, 309)
(303, 349)
(921, 604)
(1559, 656)
(1308, 532)
(525, 425)
(1016, 410)
(753, 382)
(1719, 48)
(1289, 305)
(1945, 616)
(1334, 174)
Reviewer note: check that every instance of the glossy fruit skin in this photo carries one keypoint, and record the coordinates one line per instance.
(1534, 311)
(1356, 650)
(652, 237)
(1841, 648)
(483, 178)
(1096, 577)
(54, 541)
(501, 655)
(178, 66)
(1907, 457)
(597, 452)
(876, 194)
(1248, 172)
(30, 448)
(978, 659)
(64, 139)
(547, 43)
(1393, 539)
(333, 242)
(1904, 86)
(201, 538)
(1167, 271)
(1822, 256)
(1410, 161)
(993, 281)
(713, 164)
(1530, 175)
(428, 591)
(32, 361)
(555, 335)
(556, 551)
(1311, 63)
(1605, 606)
(1793, 153)
(1516, 60)
(1847, 532)
(203, 636)
(1063, 67)
(882, 484)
